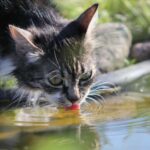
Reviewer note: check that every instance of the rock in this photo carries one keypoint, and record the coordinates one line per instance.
(141, 51)
(113, 41)
(126, 75)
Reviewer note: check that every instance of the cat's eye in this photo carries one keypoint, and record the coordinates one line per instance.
(55, 80)
(86, 76)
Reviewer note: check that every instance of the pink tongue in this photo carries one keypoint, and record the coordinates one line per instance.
(73, 107)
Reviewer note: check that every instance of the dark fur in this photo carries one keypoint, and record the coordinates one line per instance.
(60, 45)
(24, 14)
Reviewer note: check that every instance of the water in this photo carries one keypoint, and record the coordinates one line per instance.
(121, 122)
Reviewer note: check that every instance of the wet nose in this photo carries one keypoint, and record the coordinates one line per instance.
(73, 94)
(73, 98)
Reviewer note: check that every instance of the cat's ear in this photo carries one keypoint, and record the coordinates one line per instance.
(19, 35)
(87, 20)
(25, 46)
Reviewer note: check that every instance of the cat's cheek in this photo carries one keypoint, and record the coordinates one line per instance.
(84, 97)
(53, 98)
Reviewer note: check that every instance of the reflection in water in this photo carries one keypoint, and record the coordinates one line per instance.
(68, 138)
(120, 123)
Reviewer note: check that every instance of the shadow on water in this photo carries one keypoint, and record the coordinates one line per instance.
(121, 122)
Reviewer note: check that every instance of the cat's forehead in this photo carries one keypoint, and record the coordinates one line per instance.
(45, 36)
(73, 68)
(57, 37)
(76, 67)
(68, 66)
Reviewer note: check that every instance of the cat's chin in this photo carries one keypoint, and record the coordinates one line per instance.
(54, 99)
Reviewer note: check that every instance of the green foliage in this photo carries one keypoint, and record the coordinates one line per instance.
(134, 13)
(7, 83)
(129, 62)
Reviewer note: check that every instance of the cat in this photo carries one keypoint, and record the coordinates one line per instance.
(47, 53)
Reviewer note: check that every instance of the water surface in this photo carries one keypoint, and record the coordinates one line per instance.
(120, 122)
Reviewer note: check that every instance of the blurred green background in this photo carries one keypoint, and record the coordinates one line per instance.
(134, 13)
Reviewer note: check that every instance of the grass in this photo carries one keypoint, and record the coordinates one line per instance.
(7, 83)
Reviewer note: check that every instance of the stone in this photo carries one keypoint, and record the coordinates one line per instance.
(113, 41)
(141, 51)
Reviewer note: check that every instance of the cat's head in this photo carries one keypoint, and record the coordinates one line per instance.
(57, 59)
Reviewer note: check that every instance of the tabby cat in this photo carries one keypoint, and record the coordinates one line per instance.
(45, 52)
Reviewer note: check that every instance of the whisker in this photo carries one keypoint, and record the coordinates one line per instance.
(98, 96)
(99, 84)
(92, 99)
(56, 59)
(9, 106)
(100, 101)
(96, 91)
(101, 87)
(53, 63)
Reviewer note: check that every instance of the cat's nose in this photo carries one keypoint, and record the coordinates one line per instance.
(73, 98)
(73, 94)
